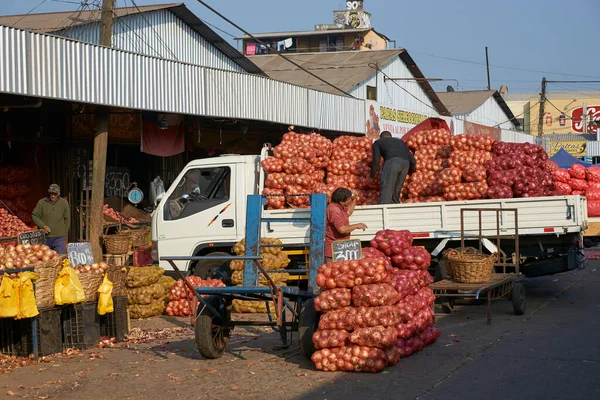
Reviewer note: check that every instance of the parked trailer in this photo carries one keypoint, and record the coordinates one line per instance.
(204, 213)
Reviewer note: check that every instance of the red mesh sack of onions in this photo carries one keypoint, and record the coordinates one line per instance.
(577, 171)
(422, 320)
(499, 192)
(413, 258)
(450, 176)
(410, 306)
(561, 175)
(425, 188)
(350, 318)
(275, 180)
(272, 164)
(352, 358)
(303, 180)
(408, 283)
(474, 173)
(578, 184)
(274, 202)
(465, 191)
(297, 165)
(592, 174)
(350, 148)
(471, 142)
(459, 158)
(578, 193)
(347, 274)
(593, 184)
(333, 299)
(325, 188)
(371, 252)
(293, 198)
(551, 166)
(592, 194)
(367, 197)
(406, 347)
(439, 137)
(377, 336)
(330, 338)
(432, 151)
(593, 207)
(381, 294)
(563, 187)
(426, 199)
(392, 242)
(505, 177)
(435, 165)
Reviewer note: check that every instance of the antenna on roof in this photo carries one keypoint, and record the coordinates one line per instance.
(449, 88)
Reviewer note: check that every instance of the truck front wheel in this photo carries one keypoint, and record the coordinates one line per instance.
(213, 269)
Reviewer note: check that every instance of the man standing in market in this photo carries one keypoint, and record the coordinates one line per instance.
(53, 216)
(398, 162)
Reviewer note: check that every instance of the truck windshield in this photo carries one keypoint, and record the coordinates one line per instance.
(198, 190)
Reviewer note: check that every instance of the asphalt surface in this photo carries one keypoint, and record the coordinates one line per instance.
(550, 352)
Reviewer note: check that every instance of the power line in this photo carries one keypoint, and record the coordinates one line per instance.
(271, 49)
(219, 29)
(30, 11)
(517, 116)
(504, 66)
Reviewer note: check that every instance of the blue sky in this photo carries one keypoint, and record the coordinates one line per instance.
(527, 39)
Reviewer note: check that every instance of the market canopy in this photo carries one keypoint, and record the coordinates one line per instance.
(565, 160)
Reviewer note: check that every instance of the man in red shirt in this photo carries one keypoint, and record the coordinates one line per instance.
(338, 222)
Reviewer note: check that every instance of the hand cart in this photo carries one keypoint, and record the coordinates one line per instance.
(213, 317)
(500, 285)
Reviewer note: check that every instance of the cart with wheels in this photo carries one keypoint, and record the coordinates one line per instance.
(294, 308)
(500, 285)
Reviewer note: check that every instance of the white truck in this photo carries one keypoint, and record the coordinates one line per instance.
(204, 213)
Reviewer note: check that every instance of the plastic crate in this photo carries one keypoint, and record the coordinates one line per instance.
(9, 336)
(80, 326)
(50, 335)
(116, 323)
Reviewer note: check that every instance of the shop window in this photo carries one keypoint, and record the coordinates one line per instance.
(371, 93)
(198, 190)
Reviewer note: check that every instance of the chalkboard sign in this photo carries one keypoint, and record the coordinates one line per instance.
(346, 250)
(35, 237)
(80, 253)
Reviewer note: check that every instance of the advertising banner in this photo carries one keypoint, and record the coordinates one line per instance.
(576, 149)
(381, 117)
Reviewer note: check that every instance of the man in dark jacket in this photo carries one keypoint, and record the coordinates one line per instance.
(53, 216)
(398, 163)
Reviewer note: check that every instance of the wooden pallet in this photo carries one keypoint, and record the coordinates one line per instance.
(119, 259)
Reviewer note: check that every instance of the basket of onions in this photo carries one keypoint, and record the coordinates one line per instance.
(46, 264)
(91, 277)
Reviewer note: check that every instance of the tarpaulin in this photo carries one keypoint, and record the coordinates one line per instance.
(162, 134)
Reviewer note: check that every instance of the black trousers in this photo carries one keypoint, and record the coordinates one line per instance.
(393, 175)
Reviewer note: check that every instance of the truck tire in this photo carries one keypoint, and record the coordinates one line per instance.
(214, 269)
(210, 334)
(517, 297)
(308, 323)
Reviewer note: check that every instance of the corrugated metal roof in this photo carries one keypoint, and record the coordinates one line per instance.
(343, 69)
(462, 103)
(569, 137)
(55, 22)
(52, 22)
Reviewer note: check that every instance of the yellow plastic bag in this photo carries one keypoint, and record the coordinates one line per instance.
(105, 300)
(9, 298)
(68, 289)
(27, 305)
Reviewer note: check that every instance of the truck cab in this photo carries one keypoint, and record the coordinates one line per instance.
(204, 210)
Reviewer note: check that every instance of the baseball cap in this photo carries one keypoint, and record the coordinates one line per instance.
(54, 188)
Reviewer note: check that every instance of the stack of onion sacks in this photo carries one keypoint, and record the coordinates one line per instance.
(23, 255)
(359, 316)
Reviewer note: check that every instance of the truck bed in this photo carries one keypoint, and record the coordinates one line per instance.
(536, 216)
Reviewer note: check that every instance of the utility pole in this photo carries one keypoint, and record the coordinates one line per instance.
(542, 101)
(100, 145)
(487, 64)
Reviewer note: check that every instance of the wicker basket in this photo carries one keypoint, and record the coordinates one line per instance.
(90, 281)
(117, 275)
(117, 244)
(139, 237)
(44, 286)
(470, 266)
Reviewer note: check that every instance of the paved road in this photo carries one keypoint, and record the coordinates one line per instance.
(551, 352)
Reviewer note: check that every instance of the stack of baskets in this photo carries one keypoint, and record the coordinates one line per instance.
(469, 265)
(44, 286)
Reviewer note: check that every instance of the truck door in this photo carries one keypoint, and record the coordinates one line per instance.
(197, 212)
